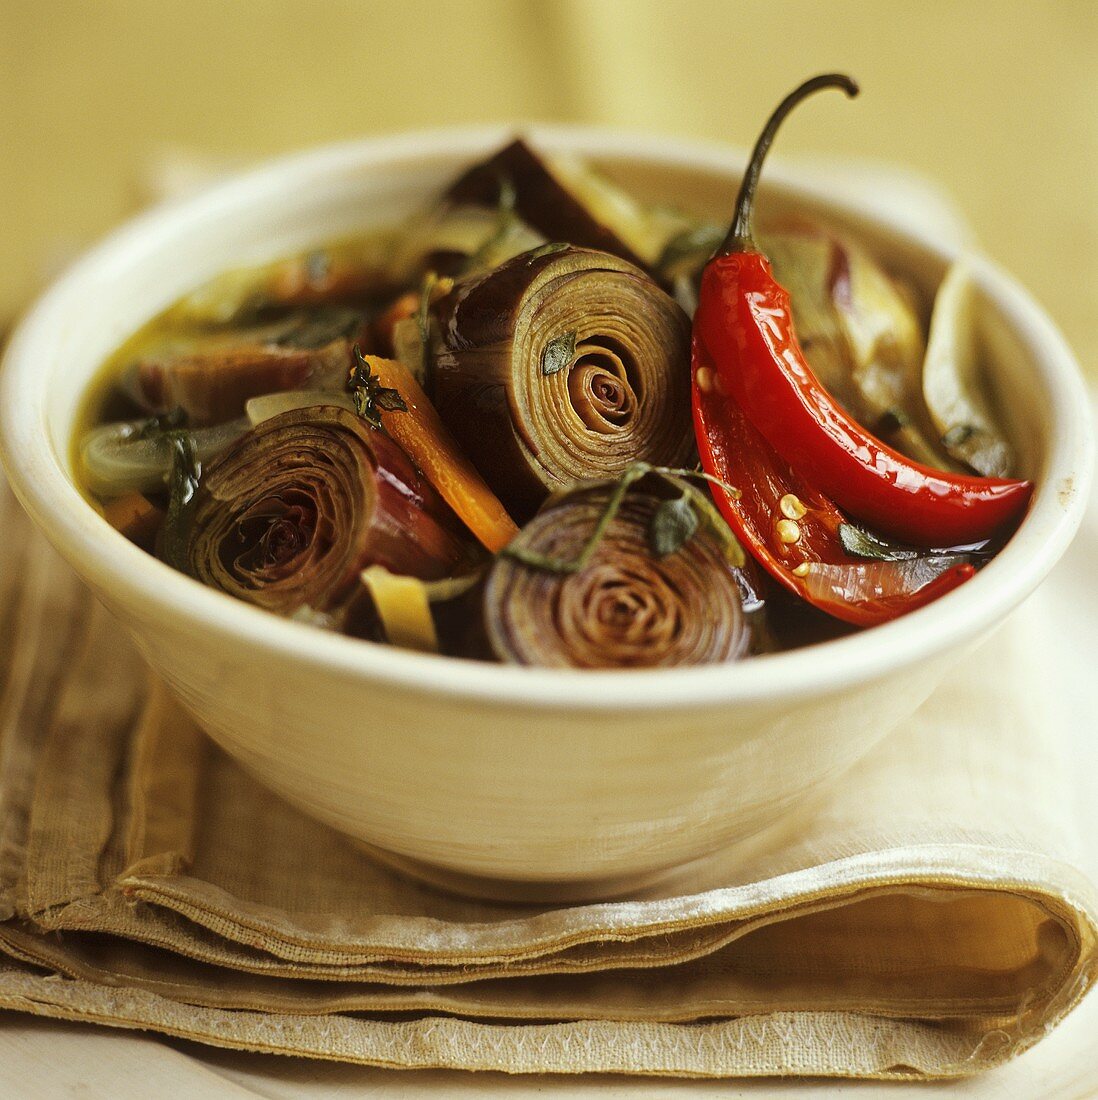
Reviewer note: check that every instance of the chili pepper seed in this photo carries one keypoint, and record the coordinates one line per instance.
(792, 506)
(803, 569)
(704, 378)
(789, 531)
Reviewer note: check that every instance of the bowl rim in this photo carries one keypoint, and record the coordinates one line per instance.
(124, 572)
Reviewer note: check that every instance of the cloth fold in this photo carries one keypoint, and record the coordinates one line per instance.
(926, 916)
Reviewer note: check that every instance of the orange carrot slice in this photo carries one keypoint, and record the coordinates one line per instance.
(403, 307)
(424, 437)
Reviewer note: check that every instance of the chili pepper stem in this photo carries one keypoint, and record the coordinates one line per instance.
(739, 237)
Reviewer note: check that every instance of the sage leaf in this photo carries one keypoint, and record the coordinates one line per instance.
(558, 353)
(672, 526)
(861, 544)
(672, 532)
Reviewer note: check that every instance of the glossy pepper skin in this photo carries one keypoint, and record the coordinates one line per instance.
(764, 423)
(734, 451)
(744, 321)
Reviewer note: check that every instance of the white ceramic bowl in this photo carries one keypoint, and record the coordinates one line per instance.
(506, 780)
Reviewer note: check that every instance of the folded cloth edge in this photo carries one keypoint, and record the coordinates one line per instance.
(795, 1044)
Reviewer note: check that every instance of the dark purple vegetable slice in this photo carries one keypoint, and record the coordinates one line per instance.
(562, 365)
(212, 379)
(290, 515)
(658, 588)
(542, 200)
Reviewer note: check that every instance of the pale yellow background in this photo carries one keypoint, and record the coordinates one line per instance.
(997, 100)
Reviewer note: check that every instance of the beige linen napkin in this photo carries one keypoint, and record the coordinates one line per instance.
(922, 918)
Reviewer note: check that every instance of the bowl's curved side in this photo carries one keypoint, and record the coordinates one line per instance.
(598, 799)
(482, 769)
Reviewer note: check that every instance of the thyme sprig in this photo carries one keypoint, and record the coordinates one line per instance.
(666, 533)
(370, 397)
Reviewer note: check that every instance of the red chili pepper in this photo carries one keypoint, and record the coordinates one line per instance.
(734, 451)
(743, 320)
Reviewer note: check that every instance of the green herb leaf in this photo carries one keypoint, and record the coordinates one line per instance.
(558, 353)
(861, 544)
(506, 221)
(370, 397)
(673, 534)
(548, 249)
(423, 326)
(182, 487)
(580, 562)
(672, 526)
(542, 562)
(687, 251)
(389, 400)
